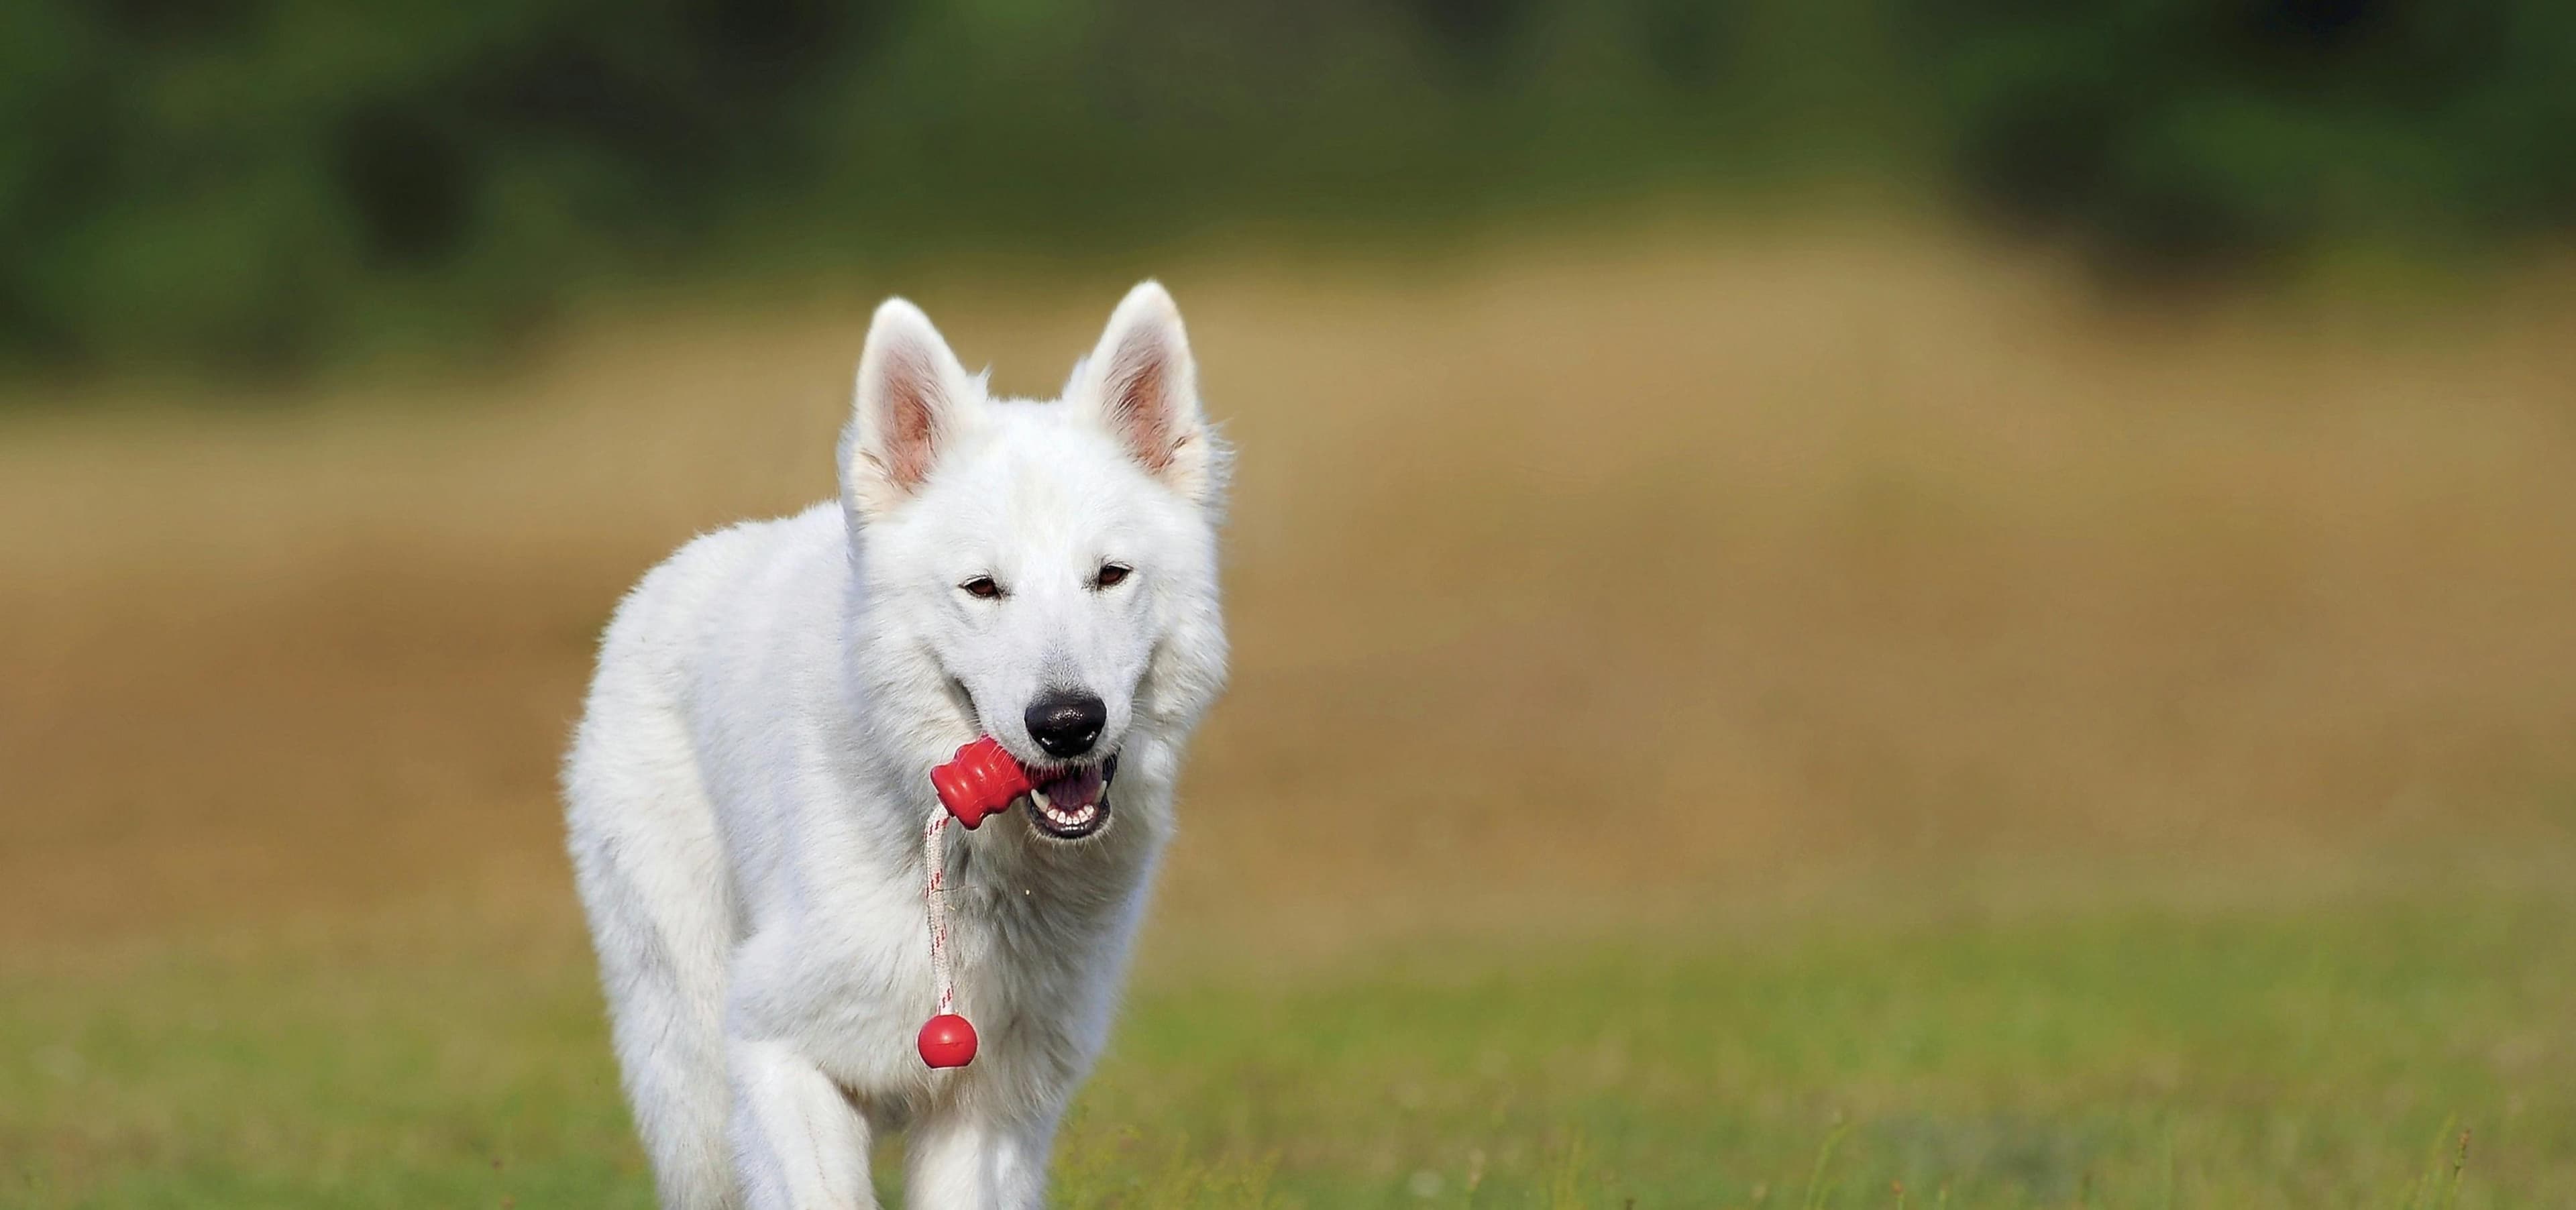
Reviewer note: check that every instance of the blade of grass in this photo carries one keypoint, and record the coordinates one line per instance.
(1815, 1198)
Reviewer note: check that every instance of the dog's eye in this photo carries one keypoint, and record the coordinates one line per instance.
(982, 587)
(1112, 575)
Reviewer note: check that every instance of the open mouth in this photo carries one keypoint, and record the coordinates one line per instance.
(1073, 802)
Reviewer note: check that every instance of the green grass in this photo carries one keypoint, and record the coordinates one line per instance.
(2328, 1055)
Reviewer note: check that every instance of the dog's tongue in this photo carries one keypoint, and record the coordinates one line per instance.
(1074, 789)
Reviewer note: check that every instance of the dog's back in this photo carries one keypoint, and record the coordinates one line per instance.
(647, 847)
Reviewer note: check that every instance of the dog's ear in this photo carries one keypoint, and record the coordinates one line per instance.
(912, 398)
(1142, 386)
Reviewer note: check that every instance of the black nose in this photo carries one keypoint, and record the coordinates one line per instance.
(1066, 722)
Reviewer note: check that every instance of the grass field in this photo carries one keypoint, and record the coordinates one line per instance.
(1783, 717)
(2321, 1049)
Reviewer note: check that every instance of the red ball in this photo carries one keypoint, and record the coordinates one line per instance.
(947, 1041)
(982, 778)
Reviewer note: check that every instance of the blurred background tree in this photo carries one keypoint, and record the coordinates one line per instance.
(250, 184)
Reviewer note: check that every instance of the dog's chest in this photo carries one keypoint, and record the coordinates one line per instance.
(1037, 944)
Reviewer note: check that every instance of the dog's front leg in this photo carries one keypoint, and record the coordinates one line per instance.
(798, 1144)
(964, 1161)
(1020, 1164)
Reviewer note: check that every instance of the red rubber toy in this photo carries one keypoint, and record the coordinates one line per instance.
(947, 1041)
(982, 779)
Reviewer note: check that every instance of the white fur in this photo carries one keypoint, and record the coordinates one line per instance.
(747, 790)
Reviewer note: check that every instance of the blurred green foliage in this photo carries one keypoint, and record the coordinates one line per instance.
(249, 182)
(2186, 134)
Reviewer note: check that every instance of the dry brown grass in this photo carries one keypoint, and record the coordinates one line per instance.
(1562, 572)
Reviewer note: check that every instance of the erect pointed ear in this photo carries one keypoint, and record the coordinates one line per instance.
(1142, 387)
(912, 400)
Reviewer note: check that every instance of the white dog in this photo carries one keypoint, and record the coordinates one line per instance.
(749, 786)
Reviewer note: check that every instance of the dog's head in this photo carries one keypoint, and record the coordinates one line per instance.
(1055, 561)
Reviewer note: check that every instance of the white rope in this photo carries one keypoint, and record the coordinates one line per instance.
(934, 899)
